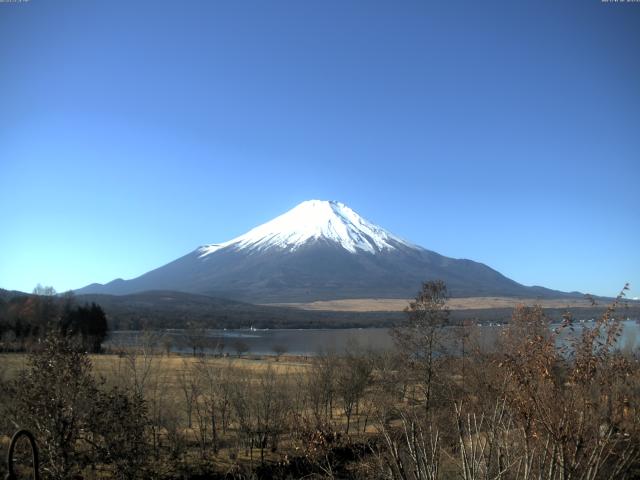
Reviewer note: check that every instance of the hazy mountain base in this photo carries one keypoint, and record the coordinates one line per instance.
(177, 310)
(166, 309)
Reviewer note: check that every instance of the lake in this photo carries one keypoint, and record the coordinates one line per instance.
(302, 341)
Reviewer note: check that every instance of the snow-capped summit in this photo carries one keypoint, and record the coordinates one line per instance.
(314, 220)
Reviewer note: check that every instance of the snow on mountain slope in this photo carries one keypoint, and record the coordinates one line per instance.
(314, 220)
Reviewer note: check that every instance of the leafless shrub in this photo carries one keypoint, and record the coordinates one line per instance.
(279, 350)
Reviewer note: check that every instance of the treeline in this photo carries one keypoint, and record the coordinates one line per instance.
(26, 318)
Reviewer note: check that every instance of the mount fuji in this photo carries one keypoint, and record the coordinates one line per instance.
(319, 250)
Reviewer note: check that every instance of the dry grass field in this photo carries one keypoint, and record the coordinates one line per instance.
(167, 381)
(340, 416)
(112, 367)
(470, 303)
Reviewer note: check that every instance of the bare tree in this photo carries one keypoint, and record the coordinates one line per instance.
(240, 399)
(279, 350)
(213, 400)
(195, 337)
(189, 387)
(569, 400)
(143, 371)
(419, 339)
(412, 451)
(322, 386)
(241, 347)
(219, 346)
(167, 420)
(167, 343)
(353, 377)
(271, 404)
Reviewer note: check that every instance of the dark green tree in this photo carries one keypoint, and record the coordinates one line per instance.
(88, 322)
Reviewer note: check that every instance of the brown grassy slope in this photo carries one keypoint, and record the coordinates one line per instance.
(108, 364)
(470, 303)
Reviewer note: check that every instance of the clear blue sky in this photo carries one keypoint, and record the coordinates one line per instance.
(506, 132)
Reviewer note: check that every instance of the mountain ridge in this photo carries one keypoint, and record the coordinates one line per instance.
(319, 250)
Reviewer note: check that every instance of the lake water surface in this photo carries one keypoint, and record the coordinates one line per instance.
(305, 341)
